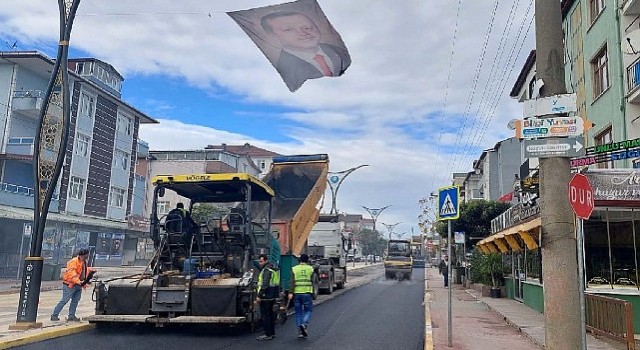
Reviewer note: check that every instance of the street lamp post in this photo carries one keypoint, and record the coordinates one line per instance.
(49, 151)
(390, 227)
(335, 180)
(375, 213)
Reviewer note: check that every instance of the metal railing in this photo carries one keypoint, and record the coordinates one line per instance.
(633, 76)
(27, 191)
(28, 93)
(610, 317)
(9, 263)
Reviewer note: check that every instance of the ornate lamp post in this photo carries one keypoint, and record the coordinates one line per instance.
(335, 180)
(49, 151)
(375, 213)
(390, 227)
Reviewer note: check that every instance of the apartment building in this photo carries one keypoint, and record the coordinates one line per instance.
(95, 196)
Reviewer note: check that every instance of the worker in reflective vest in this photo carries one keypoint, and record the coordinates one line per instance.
(268, 290)
(301, 291)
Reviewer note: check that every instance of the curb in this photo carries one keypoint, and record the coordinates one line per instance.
(428, 329)
(24, 339)
(507, 320)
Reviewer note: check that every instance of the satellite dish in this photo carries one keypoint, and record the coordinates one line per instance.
(631, 42)
(512, 124)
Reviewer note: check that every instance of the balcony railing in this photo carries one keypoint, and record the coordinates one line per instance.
(27, 191)
(633, 76)
(28, 101)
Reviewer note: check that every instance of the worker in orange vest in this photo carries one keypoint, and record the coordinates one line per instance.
(75, 278)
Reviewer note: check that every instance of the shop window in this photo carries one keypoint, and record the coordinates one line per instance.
(611, 241)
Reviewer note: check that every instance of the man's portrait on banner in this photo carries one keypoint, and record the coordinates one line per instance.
(298, 40)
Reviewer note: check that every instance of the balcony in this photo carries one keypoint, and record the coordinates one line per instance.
(631, 8)
(27, 102)
(22, 197)
(633, 82)
(20, 145)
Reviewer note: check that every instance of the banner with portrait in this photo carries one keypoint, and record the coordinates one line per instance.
(298, 40)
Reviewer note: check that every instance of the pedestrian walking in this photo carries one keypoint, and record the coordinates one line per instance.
(444, 269)
(268, 291)
(75, 278)
(301, 291)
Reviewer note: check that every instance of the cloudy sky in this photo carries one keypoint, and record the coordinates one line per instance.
(426, 92)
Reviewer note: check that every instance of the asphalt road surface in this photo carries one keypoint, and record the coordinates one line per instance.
(379, 315)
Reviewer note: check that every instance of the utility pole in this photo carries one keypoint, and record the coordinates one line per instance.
(559, 262)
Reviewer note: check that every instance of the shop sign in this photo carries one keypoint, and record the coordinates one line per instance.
(515, 215)
(618, 185)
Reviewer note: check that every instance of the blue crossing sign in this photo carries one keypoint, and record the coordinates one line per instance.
(448, 203)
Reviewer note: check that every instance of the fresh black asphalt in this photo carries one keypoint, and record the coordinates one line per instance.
(379, 315)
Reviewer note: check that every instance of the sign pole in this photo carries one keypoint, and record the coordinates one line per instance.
(581, 281)
(449, 317)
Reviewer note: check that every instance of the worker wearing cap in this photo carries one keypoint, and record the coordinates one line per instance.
(75, 278)
(301, 291)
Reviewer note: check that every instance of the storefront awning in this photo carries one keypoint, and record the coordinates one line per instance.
(506, 240)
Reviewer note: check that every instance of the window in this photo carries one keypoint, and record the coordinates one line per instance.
(263, 164)
(532, 86)
(120, 160)
(595, 8)
(87, 105)
(599, 66)
(76, 187)
(82, 145)
(117, 197)
(604, 138)
(124, 124)
(164, 207)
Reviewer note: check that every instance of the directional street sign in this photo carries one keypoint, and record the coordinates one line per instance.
(448, 203)
(551, 127)
(554, 147)
(550, 105)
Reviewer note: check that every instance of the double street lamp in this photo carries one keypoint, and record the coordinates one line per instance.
(375, 213)
(335, 178)
(390, 227)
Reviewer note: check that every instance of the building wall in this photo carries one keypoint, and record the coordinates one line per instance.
(509, 159)
(98, 184)
(6, 79)
(172, 167)
(607, 109)
(632, 110)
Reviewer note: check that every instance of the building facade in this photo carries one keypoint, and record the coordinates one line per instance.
(93, 199)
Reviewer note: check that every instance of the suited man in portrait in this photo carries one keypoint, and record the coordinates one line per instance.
(303, 56)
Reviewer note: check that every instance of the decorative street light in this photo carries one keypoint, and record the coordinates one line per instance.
(375, 213)
(335, 180)
(390, 227)
(49, 152)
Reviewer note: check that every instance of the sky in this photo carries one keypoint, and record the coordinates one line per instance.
(427, 90)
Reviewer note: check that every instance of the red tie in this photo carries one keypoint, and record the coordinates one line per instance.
(324, 67)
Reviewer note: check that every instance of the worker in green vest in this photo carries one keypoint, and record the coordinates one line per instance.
(268, 290)
(301, 291)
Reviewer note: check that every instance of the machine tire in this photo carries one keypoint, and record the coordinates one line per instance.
(340, 285)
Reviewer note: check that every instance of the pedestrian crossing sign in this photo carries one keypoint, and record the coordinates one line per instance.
(448, 203)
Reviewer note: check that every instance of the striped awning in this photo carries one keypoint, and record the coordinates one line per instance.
(513, 239)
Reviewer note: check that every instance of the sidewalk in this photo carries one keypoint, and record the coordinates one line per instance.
(50, 295)
(488, 323)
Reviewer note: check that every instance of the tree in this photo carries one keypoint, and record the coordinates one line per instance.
(202, 212)
(475, 219)
(371, 242)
